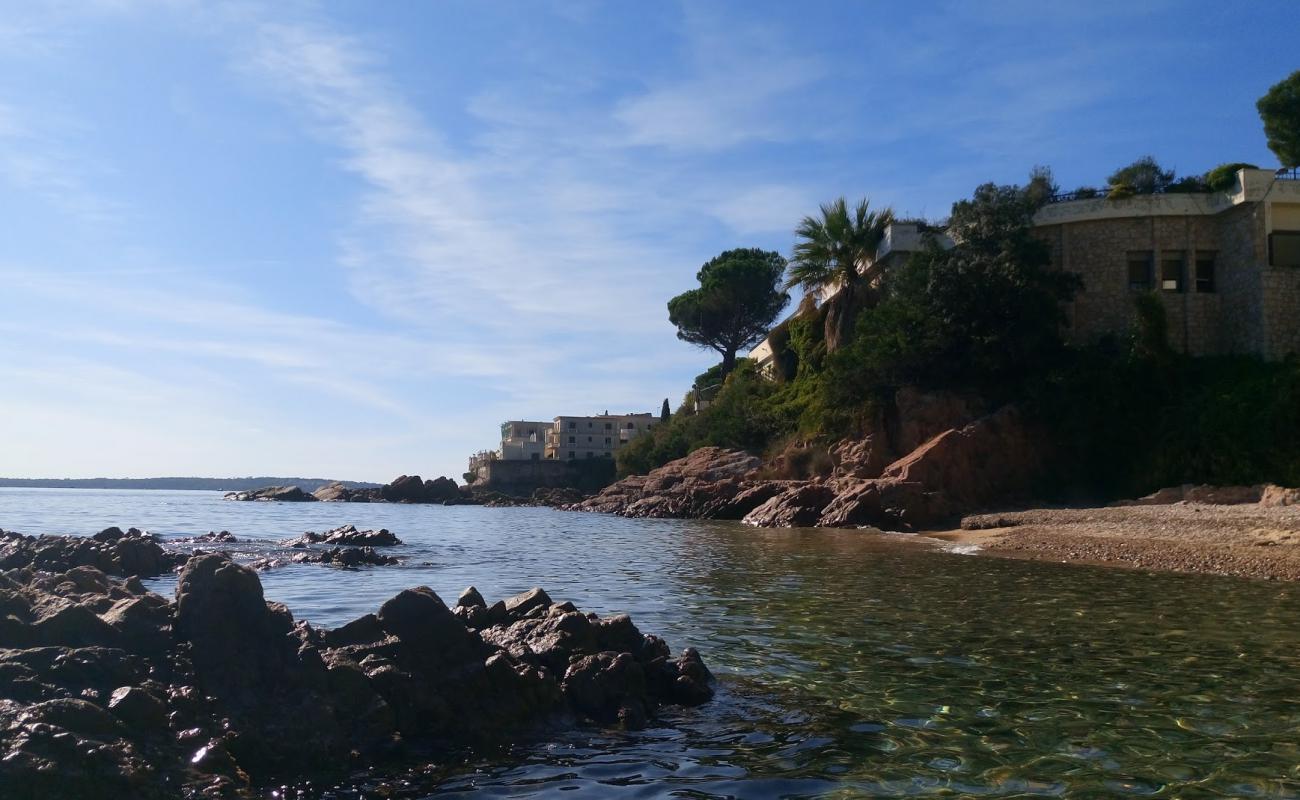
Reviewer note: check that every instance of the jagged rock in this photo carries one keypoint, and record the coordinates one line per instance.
(887, 503)
(347, 536)
(524, 602)
(133, 553)
(221, 537)
(221, 690)
(1212, 495)
(687, 487)
(347, 557)
(798, 506)
(918, 416)
(862, 458)
(279, 494)
(139, 709)
(470, 598)
(338, 493)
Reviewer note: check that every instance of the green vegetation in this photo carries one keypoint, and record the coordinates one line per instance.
(1279, 109)
(1223, 177)
(985, 316)
(738, 298)
(829, 251)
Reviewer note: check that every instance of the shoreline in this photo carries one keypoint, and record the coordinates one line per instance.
(1245, 541)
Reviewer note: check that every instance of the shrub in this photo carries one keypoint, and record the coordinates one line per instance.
(1223, 177)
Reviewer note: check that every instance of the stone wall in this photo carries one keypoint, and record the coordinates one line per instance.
(1253, 309)
(522, 478)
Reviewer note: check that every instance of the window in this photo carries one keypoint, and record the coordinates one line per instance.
(1205, 273)
(1171, 271)
(572, 454)
(1139, 270)
(608, 441)
(573, 425)
(1284, 248)
(630, 426)
(609, 425)
(537, 456)
(588, 440)
(588, 424)
(590, 454)
(572, 439)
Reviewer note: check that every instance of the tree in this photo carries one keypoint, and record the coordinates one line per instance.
(665, 413)
(831, 251)
(982, 314)
(739, 297)
(1279, 108)
(1041, 186)
(1144, 176)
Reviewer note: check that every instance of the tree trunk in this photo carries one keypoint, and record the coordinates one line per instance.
(728, 361)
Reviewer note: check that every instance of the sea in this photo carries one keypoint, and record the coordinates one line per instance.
(849, 663)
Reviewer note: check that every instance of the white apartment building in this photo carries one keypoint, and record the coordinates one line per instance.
(599, 436)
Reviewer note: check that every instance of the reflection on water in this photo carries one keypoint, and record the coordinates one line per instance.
(850, 664)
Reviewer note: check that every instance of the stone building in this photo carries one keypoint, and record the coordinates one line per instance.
(595, 437)
(1225, 265)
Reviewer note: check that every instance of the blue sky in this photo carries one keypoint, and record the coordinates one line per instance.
(348, 239)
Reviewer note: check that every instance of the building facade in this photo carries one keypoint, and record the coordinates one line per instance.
(600, 436)
(1225, 265)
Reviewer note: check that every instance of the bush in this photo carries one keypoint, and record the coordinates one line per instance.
(1223, 177)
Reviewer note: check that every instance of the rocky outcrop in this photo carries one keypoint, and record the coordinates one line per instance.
(133, 553)
(693, 486)
(108, 690)
(403, 489)
(992, 460)
(346, 536)
(1263, 494)
(277, 494)
(411, 489)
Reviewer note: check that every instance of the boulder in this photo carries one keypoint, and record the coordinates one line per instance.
(140, 710)
(278, 494)
(411, 489)
(1274, 495)
(798, 506)
(348, 536)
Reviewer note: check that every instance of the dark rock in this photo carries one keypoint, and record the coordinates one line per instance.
(138, 709)
(278, 494)
(524, 602)
(347, 557)
(608, 687)
(471, 597)
(411, 489)
(362, 630)
(348, 536)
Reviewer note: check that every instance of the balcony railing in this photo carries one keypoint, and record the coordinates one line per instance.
(1292, 174)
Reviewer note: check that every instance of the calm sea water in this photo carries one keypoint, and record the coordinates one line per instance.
(850, 664)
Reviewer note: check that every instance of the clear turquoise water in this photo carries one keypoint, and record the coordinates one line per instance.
(850, 664)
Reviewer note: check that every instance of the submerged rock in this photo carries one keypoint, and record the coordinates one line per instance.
(109, 690)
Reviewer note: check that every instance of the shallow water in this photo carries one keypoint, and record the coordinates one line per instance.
(850, 664)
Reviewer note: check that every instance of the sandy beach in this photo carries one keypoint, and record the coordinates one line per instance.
(1249, 541)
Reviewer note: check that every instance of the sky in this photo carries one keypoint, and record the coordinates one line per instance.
(349, 239)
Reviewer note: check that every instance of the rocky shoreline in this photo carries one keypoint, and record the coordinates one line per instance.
(939, 460)
(108, 689)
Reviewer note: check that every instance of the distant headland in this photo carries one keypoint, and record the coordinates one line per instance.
(192, 484)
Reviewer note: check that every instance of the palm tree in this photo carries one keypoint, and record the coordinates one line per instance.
(832, 252)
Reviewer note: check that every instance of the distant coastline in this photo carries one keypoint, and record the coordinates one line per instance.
(192, 484)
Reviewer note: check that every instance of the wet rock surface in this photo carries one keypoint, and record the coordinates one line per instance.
(108, 690)
(112, 551)
(346, 536)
